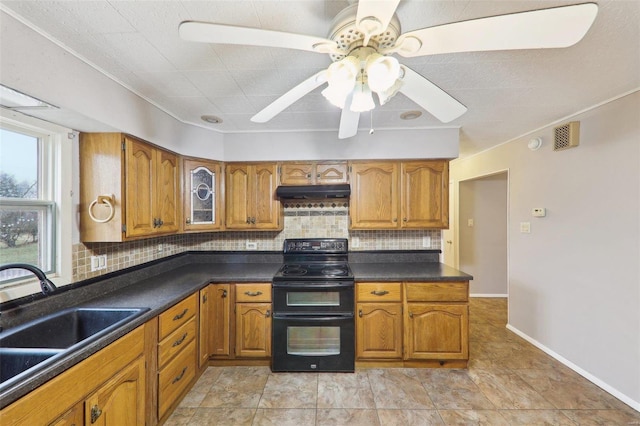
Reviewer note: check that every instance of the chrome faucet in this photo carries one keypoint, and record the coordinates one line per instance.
(47, 286)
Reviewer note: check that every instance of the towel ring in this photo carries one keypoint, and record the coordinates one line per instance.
(103, 199)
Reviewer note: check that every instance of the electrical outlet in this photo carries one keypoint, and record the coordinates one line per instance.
(252, 245)
(470, 223)
(426, 241)
(355, 242)
(98, 262)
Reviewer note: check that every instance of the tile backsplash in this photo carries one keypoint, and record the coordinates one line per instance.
(301, 219)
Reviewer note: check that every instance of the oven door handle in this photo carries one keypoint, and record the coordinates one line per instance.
(314, 318)
(311, 286)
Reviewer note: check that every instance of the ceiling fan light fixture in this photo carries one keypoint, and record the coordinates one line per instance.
(385, 95)
(362, 98)
(382, 72)
(335, 96)
(342, 74)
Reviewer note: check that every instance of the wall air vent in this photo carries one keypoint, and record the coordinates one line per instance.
(566, 136)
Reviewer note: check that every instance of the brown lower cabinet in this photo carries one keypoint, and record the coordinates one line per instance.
(108, 388)
(240, 321)
(412, 323)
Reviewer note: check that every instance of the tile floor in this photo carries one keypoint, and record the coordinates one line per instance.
(508, 382)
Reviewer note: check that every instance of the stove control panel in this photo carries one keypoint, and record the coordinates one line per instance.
(316, 245)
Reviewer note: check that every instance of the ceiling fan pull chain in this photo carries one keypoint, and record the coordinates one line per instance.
(371, 116)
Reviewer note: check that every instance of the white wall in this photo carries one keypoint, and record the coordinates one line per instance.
(483, 246)
(574, 281)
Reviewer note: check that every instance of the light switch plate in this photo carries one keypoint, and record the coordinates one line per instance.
(525, 227)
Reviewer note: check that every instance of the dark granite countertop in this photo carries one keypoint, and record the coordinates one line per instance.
(166, 282)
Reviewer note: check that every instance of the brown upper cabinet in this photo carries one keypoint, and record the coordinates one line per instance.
(202, 195)
(129, 188)
(251, 202)
(313, 173)
(399, 194)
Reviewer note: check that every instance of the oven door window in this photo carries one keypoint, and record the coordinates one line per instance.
(313, 298)
(313, 341)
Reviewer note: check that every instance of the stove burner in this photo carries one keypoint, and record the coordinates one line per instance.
(296, 270)
(333, 271)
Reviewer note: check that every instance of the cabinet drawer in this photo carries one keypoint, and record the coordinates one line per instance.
(173, 343)
(379, 292)
(253, 292)
(437, 292)
(177, 315)
(175, 377)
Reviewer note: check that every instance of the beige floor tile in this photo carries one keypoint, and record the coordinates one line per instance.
(222, 416)
(350, 390)
(346, 416)
(398, 388)
(604, 417)
(506, 390)
(284, 417)
(290, 390)
(567, 390)
(473, 417)
(180, 417)
(453, 390)
(537, 418)
(409, 417)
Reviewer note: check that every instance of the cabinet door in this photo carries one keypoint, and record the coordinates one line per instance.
(167, 191)
(296, 174)
(436, 331)
(202, 195)
(120, 401)
(265, 205)
(253, 330)
(139, 178)
(379, 330)
(73, 417)
(237, 196)
(220, 311)
(203, 331)
(374, 195)
(328, 173)
(425, 194)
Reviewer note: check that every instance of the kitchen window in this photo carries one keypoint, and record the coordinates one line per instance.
(32, 160)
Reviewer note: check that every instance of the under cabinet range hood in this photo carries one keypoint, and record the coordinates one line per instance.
(342, 190)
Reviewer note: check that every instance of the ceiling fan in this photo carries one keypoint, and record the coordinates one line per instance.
(363, 37)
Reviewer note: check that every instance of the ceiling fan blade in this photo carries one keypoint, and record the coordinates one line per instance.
(348, 123)
(373, 16)
(430, 97)
(538, 29)
(279, 105)
(229, 34)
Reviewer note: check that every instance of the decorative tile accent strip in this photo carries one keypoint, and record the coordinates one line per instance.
(299, 222)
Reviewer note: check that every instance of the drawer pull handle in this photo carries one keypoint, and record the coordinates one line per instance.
(253, 293)
(180, 340)
(180, 316)
(179, 377)
(95, 413)
(379, 292)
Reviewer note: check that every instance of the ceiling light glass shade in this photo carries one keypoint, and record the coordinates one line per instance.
(382, 72)
(362, 98)
(385, 95)
(341, 76)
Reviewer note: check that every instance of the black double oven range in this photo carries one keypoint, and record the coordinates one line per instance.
(313, 326)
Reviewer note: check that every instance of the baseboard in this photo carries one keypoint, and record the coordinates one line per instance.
(489, 295)
(616, 393)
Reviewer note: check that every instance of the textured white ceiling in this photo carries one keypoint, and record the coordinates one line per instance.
(508, 93)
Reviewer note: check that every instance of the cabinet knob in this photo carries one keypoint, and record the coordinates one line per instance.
(253, 220)
(410, 314)
(360, 313)
(308, 175)
(95, 413)
(404, 219)
(204, 298)
(188, 220)
(224, 293)
(395, 219)
(268, 314)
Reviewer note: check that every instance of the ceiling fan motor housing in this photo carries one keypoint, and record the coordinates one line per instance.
(346, 34)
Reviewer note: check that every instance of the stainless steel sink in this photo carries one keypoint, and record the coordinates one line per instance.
(32, 346)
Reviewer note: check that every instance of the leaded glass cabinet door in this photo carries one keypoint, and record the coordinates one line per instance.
(202, 195)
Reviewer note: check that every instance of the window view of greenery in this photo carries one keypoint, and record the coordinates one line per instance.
(20, 223)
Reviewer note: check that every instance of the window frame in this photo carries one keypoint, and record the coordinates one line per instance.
(55, 193)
